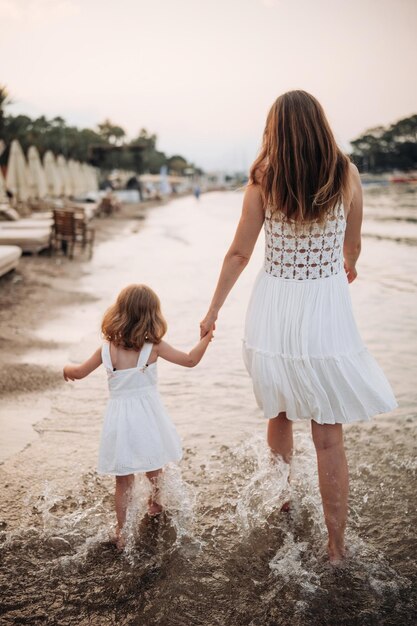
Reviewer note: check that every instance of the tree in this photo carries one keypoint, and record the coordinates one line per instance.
(383, 149)
(111, 132)
(177, 164)
(4, 101)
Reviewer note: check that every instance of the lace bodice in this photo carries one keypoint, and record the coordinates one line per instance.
(305, 252)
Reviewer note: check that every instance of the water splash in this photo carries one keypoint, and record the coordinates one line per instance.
(294, 562)
(176, 523)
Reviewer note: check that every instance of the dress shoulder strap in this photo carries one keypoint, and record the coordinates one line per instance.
(144, 354)
(105, 356)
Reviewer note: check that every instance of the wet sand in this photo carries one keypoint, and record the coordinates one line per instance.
(223, 553)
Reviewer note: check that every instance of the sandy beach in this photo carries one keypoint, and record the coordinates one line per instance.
(222, 553)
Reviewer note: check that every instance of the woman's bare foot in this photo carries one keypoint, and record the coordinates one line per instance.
(154, 508)
(117, 539)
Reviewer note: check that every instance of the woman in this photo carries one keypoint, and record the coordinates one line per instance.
(301, 345)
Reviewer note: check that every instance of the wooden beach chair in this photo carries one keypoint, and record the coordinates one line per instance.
(70, 228)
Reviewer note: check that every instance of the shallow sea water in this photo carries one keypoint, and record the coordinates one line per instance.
(222, 553)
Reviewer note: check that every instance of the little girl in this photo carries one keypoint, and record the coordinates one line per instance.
(137, 434)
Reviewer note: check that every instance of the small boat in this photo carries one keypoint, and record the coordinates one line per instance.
(403, 179)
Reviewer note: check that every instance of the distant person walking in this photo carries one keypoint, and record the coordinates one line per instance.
(301, 344)
(138, 435)
(197, 192)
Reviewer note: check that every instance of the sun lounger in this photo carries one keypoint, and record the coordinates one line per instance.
(9, 258)
(29, 239)
(9, 218)
(28, 223)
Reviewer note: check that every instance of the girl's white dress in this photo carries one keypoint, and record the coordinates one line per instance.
(138, 434)
(301, 344)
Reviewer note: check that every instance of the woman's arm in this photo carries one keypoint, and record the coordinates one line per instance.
(75, 372)
(239, 253)
(352, 242)
(187, 359)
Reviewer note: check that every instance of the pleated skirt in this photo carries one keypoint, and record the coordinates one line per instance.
(305, 356)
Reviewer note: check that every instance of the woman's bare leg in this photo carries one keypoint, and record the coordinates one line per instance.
(154, 506)
(280, 441)
(334, 483)
(122, 496)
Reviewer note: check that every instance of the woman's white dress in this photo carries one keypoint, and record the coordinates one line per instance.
(301, 344)
(138, 434)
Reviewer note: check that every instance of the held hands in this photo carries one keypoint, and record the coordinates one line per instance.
(351, 272)
(209, 336)
(208, 325)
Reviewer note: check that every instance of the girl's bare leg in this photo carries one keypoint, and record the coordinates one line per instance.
(154, 506)
(122, 496)
(279, 436)
(280, 441)
(334, 484)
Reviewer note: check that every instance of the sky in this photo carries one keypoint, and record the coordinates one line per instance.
(202, 75)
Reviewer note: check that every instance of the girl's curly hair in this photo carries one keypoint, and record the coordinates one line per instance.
(134, 318)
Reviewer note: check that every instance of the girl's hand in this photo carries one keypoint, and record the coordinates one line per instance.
(75, 372)
(69, 372)
(208, 324)
(351, 272)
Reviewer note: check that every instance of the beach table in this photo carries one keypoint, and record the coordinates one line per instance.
(9, 258)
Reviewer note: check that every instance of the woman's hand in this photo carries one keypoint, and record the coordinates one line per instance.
(208, 324)
(351, 272)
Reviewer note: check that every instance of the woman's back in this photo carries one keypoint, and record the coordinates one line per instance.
(306, 251)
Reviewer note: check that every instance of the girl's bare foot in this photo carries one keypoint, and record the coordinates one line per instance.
(337, 554)
(154, 508)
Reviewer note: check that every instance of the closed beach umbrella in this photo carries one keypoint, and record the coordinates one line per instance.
(17, 173)
(77, 177)
(90, 178)
(37, 173)
(85, 178)
(65, 176)
(93, 178)
(3, 194)
(86, 175)
(72, 175)
(53, 180)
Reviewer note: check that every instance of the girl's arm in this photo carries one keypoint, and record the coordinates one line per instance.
(239, 253)
(187, 359)
(352, 241)
(75, 372)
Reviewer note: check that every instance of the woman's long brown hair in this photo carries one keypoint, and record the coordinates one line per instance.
(134, 318)
(301, 171)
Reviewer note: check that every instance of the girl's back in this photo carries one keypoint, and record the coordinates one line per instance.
(129, 372)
